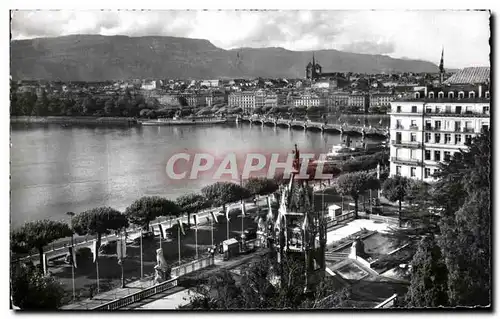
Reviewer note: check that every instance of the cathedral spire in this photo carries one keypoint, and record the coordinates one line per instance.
(441, 67)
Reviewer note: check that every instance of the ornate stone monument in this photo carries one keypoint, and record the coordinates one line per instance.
(162, 271)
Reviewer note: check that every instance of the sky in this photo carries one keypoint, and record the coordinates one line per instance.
(421, 35)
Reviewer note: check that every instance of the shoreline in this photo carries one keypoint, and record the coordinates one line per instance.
(74, 120)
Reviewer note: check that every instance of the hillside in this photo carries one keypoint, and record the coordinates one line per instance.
(96, 57)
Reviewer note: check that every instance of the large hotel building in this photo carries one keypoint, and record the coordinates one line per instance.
(431, 125)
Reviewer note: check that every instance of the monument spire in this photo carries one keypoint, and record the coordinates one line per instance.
(441, 67)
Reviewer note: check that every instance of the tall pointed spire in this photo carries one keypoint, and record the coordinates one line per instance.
(441, 63)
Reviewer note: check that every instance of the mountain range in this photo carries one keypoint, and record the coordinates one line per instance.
(99, 58)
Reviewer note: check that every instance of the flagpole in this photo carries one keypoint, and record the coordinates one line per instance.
(73, 254)
(142, 267)
(242, 205)
(122, 259)
(179, 242)
(196, 236)
(212, 230)
(97, 264)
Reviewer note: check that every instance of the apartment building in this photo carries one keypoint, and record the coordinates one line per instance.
(358, 100)
(381, 99)
(308, 99)
(429, 127)
(245, 100)
(215, 98)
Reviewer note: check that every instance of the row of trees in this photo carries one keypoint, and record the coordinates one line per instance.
(31, 104)
(452, 266)
(103, 220)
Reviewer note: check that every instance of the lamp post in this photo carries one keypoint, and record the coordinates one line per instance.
(71, 214)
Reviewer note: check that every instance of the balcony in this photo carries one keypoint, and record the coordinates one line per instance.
(468, 130)
(407, 144)
(406, 161)
(455, 114)
(414, 127)
(399, 127)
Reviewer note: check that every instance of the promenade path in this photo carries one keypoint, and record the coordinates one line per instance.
(133, 233)
(169, 302)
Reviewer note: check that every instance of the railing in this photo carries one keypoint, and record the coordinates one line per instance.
(414, 127)
(192, 266)
(456, 114)
(385, 219)
(407, 144)
(161, 287)
(138, 296)
(388, 303)
(344, 217)
(406, 161)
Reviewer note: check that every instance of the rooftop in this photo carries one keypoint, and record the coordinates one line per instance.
(470, 75)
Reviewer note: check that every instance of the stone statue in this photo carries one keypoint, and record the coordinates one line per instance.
(162, 271)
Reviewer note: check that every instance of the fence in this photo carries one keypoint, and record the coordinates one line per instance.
(192, 266)
(345, 217)
(388, 303)
(138, 296)
(385, 219)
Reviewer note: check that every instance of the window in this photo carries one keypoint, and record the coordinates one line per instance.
(458, 125)
(486, 110)
(487, 94)
(468, 127)
(398, 170)
(413, 172)
(468, 139)
(437, 156)
(447, 138)
(441, 95)
(458, 138)
(435, 172)
(437, 125)
(427, 173)
(431, 95)
(398, 124)
(427, 137)
(414, 109)
(448, 108)
(458, 109)
(398, 137)
(468, 110)
(427, 155)
(451, 95)
(485, 128)
(447, 156)
(413, 137)
(417, 95)
(428, 125)
(437, 138)
(438, 109)
(413, 123)
(461, 95)
(472, 94)
(398, 109)
(428, 110)
(413, 154)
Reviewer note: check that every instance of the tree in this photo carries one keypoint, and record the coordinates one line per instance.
(396, 189)
(38, 234)
(221, 193)
(148, 208)
(261, 186)
(99, 221)
(192, 203)
(429, 276)
(353, 184)
(31, 290)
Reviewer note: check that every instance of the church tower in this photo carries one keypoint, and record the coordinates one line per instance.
(299, 230)
(441, 68)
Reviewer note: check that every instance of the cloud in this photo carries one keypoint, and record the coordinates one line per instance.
(369, 47)
(413, 34)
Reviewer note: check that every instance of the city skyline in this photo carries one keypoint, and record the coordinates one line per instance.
(375, 32)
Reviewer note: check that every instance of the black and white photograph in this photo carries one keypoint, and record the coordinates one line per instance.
(250, 159)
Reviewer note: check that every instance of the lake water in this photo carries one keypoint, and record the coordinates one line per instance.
(58, 169)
